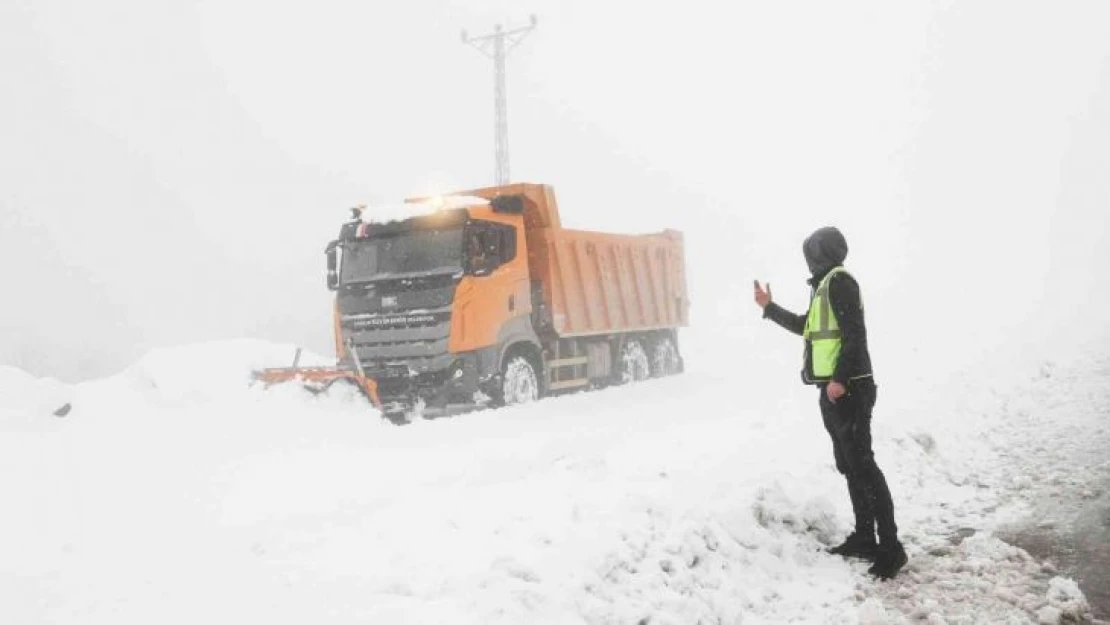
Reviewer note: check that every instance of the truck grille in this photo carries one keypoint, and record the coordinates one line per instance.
(401, 341)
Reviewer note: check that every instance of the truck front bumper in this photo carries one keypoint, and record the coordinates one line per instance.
(457, 383)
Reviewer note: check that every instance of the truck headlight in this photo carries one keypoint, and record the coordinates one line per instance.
(457, 370)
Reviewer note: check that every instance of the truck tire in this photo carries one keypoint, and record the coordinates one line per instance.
(634, 362)
(664, 358)
(519, 382)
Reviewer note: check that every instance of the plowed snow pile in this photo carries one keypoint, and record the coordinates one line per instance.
(176, 493)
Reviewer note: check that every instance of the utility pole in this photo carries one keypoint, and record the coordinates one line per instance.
(497, 46)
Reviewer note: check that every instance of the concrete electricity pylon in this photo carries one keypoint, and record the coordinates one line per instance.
(497, 46)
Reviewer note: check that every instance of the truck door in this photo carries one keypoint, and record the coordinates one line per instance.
(495, 288)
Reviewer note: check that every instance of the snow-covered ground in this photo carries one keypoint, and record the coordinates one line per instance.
(175, 493)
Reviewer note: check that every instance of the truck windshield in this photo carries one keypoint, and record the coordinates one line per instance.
(406, 253)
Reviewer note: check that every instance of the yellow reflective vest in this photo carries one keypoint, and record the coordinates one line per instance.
(822, 331)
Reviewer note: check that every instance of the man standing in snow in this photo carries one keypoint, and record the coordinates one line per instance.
(838, 363)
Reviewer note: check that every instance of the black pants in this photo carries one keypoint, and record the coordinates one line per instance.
(848, 422)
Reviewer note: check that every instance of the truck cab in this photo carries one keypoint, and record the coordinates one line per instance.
(428, 303)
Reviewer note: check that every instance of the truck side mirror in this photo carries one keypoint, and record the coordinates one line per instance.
(333, 265)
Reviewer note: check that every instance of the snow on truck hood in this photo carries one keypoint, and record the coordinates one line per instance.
(387, 213)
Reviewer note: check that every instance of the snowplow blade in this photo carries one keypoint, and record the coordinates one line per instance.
(319, 379)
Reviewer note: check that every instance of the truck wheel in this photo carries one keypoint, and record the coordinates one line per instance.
(664, 358)
(519, 384)
(634, 363)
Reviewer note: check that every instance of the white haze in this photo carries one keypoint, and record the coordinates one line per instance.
(170, 172)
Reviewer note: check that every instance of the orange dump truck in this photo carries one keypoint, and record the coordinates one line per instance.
(482, 297)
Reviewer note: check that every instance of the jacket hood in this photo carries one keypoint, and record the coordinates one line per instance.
(824, 249)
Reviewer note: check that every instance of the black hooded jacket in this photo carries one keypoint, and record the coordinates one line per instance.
(826, 250)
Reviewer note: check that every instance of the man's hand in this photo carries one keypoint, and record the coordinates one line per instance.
(835, 390)
(762, 298)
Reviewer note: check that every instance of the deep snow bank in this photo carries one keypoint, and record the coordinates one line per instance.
(210, 371)
(25, 399)
(176, 492)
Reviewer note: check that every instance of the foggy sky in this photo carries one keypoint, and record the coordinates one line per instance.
(171, 171)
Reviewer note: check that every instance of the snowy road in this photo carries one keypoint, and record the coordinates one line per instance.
(172, 496)
(1065, 474)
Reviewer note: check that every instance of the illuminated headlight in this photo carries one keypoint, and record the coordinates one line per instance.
(456, 372)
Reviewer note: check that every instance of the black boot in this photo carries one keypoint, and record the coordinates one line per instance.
(890, 557)
(857, 545)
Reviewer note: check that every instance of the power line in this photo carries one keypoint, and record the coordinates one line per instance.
(497, 46)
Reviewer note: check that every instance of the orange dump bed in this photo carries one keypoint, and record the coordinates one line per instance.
(599, 283)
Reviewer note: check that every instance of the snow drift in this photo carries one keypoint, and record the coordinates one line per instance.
(177, 492)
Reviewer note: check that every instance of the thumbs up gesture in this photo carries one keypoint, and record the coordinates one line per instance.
(762, 297)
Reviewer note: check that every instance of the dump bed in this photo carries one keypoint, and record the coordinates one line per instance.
(597, 283)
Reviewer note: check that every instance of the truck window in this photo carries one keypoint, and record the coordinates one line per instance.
(404, 253)
(488, 246)
(508, 239)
